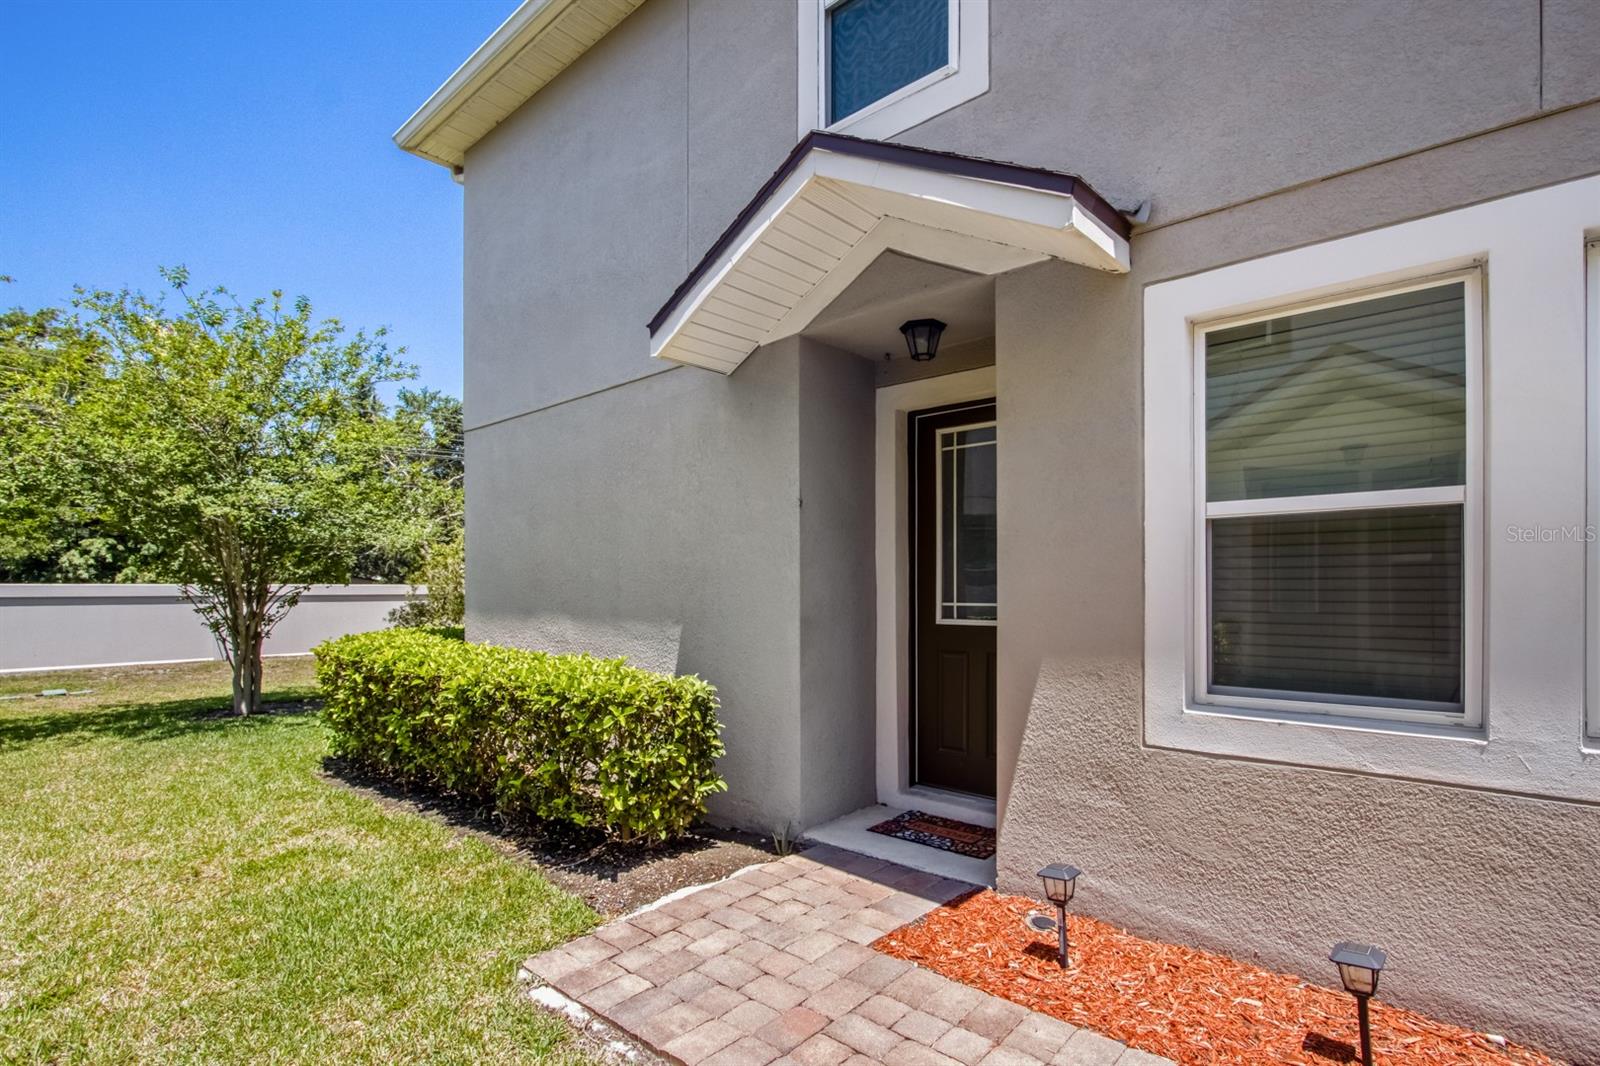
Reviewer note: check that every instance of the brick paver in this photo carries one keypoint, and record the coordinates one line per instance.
(772, 966)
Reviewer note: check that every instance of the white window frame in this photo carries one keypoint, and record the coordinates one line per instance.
(1592, 528)
(963, 78)
(1534, 668)
(1469, 496)
(938, 524)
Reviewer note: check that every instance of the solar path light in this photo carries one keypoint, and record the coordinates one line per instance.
(1359, 967)
(1060, 882)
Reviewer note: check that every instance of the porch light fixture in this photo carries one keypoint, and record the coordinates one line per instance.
(1359, 967)
(922, 337)
(1060, 882)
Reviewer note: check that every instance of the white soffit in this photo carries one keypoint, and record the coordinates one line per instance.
(840, 202)
(539, 40)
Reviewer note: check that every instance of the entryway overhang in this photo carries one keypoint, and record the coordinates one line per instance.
(837, 203)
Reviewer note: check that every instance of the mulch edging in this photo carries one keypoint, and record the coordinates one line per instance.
(613, 878)
(1194, 1007)
(276, 708)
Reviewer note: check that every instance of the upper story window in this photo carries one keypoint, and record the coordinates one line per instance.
(875, 68)
(877, 47)
(1334, 488)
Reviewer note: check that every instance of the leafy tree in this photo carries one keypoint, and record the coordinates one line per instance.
(243, 445)
(436, 419)
(444, 572)
(47, 359)
(433, 420)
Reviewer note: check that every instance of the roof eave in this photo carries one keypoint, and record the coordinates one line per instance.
(839, 202)
(486, 60)
(883, 151)
(532, 47)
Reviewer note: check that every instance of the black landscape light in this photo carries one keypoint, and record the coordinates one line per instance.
(922, 337)
(1359, 967)
(1060, 882)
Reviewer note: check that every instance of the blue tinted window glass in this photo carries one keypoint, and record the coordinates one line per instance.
(877, 46)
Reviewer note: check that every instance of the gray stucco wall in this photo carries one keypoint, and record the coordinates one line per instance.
(1487, 902)
(705, 524)
(658, 522)
(836, 579)
(1198, 105)
(586, 207)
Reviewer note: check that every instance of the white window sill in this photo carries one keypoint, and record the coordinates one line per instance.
(1333, 720)
(866, 115)
(1452, 755)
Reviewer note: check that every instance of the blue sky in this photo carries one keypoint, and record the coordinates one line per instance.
(247, 141)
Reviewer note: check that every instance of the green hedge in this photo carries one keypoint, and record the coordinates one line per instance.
(572, 738)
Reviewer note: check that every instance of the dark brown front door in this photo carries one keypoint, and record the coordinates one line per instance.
(954, 596)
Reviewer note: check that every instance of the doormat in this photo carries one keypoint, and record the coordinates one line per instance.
(946, 834)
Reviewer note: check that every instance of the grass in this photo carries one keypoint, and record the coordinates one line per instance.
(186, 889)
(120, 688)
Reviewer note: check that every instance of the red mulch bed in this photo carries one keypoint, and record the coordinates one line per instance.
(1194, 1007)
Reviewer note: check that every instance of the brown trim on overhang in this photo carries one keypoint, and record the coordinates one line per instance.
(965, 166)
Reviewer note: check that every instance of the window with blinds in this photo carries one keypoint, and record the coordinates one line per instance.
(1335, 478)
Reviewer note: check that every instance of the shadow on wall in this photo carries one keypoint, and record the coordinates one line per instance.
(1072, 706)
(647, 645)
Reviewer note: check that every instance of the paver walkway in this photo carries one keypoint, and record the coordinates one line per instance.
(772, 966)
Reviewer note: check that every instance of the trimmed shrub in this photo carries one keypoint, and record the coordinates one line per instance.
(593, 742)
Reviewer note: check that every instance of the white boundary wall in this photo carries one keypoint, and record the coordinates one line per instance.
(51, 627)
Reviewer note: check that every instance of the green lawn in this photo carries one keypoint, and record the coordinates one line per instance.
(178, 889)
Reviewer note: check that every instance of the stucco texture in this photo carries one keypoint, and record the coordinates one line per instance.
(1486, 901)
(657, 522)
(697, 524)
(1199, 105)
(724, 525)
(836, 579)
(586, 208)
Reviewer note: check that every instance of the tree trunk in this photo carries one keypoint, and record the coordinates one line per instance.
(239, 654)
(241, 610)
(256, 678)
(246, 633)
(246, 638)
(237, 662)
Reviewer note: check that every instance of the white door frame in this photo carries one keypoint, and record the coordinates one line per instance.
(892, 552)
